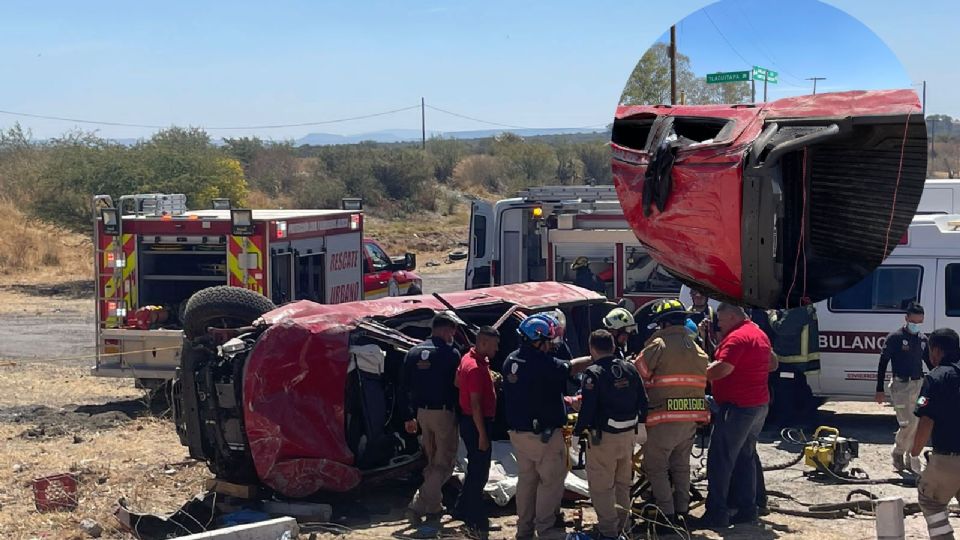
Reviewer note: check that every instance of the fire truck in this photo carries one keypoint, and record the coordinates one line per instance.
(574, 234)
(152, 255)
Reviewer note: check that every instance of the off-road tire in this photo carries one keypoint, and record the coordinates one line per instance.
(223, 306)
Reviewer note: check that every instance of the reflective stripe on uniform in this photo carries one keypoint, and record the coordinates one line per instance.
(658, 417)
(940, 531)
(695, 381)
(621, 424)
(933, 519)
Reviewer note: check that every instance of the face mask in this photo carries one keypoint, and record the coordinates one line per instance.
(913, 328)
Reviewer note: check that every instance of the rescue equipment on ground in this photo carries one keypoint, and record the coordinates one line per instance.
(828, 451)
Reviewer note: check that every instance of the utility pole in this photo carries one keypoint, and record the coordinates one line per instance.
(815, 79)
(673, 65)
(423, 124)
(923, 101)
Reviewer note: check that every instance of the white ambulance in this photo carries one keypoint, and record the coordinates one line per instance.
(924, 267)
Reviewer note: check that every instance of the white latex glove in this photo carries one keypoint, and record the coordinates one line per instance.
(641, 437)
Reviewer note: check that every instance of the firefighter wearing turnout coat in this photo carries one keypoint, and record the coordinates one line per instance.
(614, 406)
(796, 344)
(674, 369)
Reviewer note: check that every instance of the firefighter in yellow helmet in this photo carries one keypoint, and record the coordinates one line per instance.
(673, 368)
(621, 324)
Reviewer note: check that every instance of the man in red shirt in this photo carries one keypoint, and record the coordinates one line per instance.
(738, 376)
(478, 402)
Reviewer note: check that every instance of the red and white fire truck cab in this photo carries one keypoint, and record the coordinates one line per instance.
(575, 234)
(152, 254)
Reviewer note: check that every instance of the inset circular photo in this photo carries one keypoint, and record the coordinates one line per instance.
(772, 158)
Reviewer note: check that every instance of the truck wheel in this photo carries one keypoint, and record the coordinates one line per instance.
(223, 307)
(414, 291)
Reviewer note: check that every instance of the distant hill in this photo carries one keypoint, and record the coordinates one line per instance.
(408, 135)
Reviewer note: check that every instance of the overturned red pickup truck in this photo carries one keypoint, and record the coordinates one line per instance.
(305, 399)
(777, 203)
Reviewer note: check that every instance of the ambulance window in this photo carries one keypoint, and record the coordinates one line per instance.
(888, 288)
(952, 290)
(479, 236)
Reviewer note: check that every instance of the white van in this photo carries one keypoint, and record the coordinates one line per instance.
(924, 267)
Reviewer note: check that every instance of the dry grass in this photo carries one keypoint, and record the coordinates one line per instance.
(35, 249)
(430, 236)
(130, 460)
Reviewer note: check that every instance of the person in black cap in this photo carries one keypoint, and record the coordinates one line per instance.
(427, 385)
(614, 405)
(939, 422)
(905, 349)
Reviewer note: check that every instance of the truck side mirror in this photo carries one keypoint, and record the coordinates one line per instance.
(410, 261)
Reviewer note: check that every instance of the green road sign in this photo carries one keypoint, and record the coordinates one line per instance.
(729, 76)
(762, 74)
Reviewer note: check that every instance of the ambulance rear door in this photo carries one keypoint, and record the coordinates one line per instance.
(479, 271)
(947, 310)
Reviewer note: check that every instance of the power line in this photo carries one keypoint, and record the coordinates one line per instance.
(271, 126)
(762, 49)
(153, 126)
(451, 113)
(732, 48)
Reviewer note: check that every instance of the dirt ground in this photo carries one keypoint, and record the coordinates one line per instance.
(56, 418)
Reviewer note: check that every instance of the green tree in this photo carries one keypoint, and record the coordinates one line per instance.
(243, 149)
(531, 163)
(481, 171)
(402, 172)
(570, 169)
(446, 154)
(596, 162)
(649, 82)
(184, 161)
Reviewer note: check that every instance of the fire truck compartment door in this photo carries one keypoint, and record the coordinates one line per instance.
(344, 268)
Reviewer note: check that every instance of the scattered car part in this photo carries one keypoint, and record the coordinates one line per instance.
(223, 307)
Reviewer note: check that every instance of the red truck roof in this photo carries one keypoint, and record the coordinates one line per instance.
(295, 377)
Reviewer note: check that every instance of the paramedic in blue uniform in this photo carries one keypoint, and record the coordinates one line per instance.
(534, 381)
(427, 386)
(614, 405)
(939, 423)
(906, 351)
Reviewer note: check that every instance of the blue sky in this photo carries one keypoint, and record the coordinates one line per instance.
(533, 64)
(798, 40)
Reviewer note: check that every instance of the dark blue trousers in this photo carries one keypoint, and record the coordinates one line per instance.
(470, 505)
(733, 454)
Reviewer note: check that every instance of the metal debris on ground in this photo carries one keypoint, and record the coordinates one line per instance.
(91, 528)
